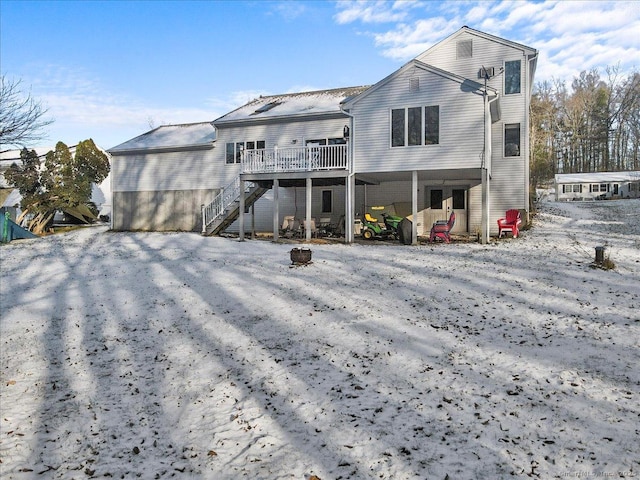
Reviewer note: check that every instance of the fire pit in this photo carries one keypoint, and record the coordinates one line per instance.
(300, 256)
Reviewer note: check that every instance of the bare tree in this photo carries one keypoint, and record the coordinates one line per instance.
(22, 118)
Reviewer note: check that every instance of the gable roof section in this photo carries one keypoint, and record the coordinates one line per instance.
(529, 52)
(518, 46)
(471, 84)
(169, 138)
(291, 106)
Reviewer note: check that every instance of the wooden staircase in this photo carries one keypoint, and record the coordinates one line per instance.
(225, 208)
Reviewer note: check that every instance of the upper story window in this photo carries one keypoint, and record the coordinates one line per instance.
(259, 145)
(512, 77)
(512, 140)
(432, 125)
(415, 126)
(233, 152)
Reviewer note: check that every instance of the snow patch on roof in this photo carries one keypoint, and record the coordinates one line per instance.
(597, 177)
(290, 104)
(167, 136)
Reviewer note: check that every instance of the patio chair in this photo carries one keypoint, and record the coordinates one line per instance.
(442, 229)
(314, 229)
(290, 226)
(510, 223)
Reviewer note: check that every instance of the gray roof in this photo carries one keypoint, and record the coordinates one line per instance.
(318, 102)
(171, 136)
(597, 177)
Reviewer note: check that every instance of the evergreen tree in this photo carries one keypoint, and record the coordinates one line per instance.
(26, 177)
(63, 184)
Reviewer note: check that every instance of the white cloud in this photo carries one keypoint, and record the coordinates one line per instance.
(571, 36)
(373, 12)
(290, 10)
(409, 40)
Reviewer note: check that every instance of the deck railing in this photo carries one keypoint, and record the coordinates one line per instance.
(295, 159)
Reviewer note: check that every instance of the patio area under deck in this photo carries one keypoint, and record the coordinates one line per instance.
(286, 174)
(308, 166)
(307, 179)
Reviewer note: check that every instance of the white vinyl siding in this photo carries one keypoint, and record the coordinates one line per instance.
(486, 53)
(185, 170)
(460, 126)
(160, 210)
(286, 134)
(509, 184)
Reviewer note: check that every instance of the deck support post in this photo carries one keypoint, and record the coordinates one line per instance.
(484, 230)
(307, 223)
(414, 207)
(349, 214)
(276, 209)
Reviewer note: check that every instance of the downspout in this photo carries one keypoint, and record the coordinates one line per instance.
(350, 187)
(527, 120)
(485, 166)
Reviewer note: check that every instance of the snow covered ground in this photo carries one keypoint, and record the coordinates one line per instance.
(149, 355)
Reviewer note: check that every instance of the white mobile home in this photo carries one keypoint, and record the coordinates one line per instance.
(597, 185)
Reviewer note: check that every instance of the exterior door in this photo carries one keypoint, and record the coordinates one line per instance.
(441, 201)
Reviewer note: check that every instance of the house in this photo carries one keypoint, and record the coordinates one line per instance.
(448, 131)
(294, 141)
(160, 179)
(597, 185)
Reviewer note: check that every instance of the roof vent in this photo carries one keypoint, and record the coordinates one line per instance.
(464, 49)
(414, 84)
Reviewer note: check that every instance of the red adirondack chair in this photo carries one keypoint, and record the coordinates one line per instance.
(511, 223)
(442, 229)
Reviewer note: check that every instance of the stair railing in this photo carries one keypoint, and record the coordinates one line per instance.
(228, 195)
(220, 203)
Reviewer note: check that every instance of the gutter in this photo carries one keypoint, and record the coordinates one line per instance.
(176, 148)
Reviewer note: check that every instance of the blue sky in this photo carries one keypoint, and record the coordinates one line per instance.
(110, 70)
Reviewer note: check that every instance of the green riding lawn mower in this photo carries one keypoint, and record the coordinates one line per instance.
(385, 229)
